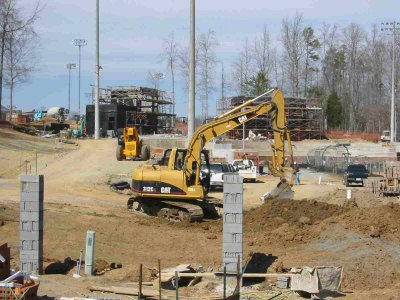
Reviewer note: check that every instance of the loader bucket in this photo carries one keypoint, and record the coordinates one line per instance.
(282, 191)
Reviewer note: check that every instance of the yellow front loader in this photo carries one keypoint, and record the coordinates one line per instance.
(130, 146)
(176, 188)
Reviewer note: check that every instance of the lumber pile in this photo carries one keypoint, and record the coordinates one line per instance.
(373, 184)
(392, 172)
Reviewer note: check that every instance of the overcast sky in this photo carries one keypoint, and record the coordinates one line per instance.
(132, 34)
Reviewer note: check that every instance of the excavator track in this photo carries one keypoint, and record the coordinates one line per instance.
(174, 211)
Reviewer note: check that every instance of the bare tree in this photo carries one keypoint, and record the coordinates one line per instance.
(20, 59)
(207, 44)
(183, 63)
(262, 53)
(242, 69)
(294, 49)
(354, 36)
(11, 21)
(171, 55)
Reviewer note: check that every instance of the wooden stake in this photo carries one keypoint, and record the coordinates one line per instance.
(159, 278)
(224, 282)
(177, 285)
(238, 277)
(140, 281)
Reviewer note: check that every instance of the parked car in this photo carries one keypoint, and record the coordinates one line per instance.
(217, 172)
(246, 168)
(355, 174)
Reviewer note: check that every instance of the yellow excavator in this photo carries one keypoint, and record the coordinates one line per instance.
(176, 188)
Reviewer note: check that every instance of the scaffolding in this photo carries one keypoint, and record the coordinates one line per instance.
(304, 116)
(151, 108)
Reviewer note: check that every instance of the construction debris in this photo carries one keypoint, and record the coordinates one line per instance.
(146, 292)
(20, 286)
(101, 266)
(313, 280)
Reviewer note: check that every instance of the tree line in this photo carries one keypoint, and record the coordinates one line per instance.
(18, 46)
(348, 67)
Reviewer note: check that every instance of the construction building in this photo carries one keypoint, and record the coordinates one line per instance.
(146, 108)
(304, 115)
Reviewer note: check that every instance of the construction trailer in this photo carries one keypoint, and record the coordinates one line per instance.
(147, 109)
(304, 115)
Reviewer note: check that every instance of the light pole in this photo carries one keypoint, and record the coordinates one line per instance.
(157, 77)
(69, 67)
(192, 76)
(97, 79)
(79, 43)
(393, 30)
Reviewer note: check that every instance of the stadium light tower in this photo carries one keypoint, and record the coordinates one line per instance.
(392, 28)
(157, 77)
(69, 67)
(79, 43)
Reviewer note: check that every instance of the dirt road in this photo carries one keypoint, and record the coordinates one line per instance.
(77, 199)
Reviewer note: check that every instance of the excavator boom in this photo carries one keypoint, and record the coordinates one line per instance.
(238, 116)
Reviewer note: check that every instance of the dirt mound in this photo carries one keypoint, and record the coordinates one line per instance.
(362, 197)
(292, 212)
(287, 222)
(374, 222)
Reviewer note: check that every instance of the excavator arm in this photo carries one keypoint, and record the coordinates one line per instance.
(236, 117)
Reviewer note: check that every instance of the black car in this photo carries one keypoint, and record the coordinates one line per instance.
(355, 174)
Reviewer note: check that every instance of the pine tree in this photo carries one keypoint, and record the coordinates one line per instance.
(334, 111)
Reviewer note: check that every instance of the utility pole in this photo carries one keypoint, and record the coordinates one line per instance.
(79, 43)
(391, 27)
(69, 67)
(192, 66)
(97, 79)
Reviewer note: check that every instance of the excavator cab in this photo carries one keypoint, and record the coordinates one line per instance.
(174, 160)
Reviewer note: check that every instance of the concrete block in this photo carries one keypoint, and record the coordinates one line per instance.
(30, 245)
(31, 216)
(28, 187)
(232, 248)
(233, 179)
(31, 206)
(35, 267)
(30, 256)
(232, 224)
(232, 237)
(233, 197)
(29, 226)
(233, 188)
(30, 235)
(32, 196)
(31, 178)
(31, 223)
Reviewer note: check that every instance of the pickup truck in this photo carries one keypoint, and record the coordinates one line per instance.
(246, 169)
(355, 174)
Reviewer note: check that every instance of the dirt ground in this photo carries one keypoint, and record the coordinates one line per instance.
(320, 228)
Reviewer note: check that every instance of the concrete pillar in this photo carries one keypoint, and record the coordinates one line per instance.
(232, 225)
(31, 223)
(89, 256)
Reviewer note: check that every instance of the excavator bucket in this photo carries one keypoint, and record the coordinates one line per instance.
(282, 191)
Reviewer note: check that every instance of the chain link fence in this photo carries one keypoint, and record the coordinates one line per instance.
(335, 159)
